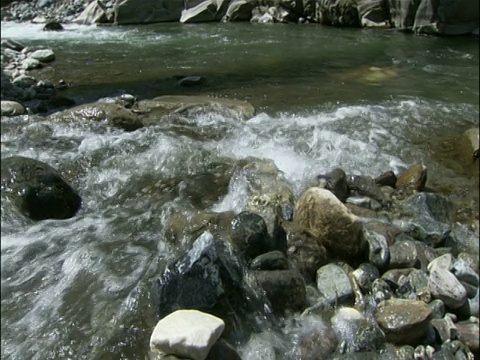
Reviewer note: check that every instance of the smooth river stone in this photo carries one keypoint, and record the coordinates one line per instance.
(445, 286)
(403, 321)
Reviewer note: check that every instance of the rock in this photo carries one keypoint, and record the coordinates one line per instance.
(444, 286)
(186, 333)
(12, 44)
(334, 285)
(111, 114)
(446, 328)
(207, 278)
(53, 26)
(336, 182)
(378, 249)
(239, 10)
(208, 10)
(12, 108)
(188, 81)
(355, 331)
(458, 18)
(365, 275)
(258, 347)
(250, 236)
(147, 11)
(469, 144)
(453, 350)
(381, 290)
(304, 251)
(96, 13)
(436, 206)
(337, 13)
(468, 334)
(444, 261)
(273, 260)
(285, 289)
(373, 13)
(43, 55)
(24, 81)
(334, 226)
(413, 178)
(403, 321)
(467, 277)
(223, 350)
(154, 111)
(29, 64)
(403, 254)
(38, 190)
(365, 186)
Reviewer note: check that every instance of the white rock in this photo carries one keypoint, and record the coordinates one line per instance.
(12, 108)
(43, 55)
(444, 261)
(186, 333)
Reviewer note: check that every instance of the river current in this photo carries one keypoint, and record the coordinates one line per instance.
(364, 100)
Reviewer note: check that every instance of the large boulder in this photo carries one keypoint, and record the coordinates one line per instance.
(332, 223)
(147, 11)
(239, 10)
(37, 189)
(159, 109)
(208, 10)
(95, 13)
(373, 13)
(109, 113)
(337, 13)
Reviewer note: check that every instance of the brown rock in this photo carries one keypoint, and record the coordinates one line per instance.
(413, 178)
(403, 321)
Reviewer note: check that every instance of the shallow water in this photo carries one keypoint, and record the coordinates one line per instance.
(79, 288)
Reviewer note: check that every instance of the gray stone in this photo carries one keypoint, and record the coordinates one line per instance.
(467, 277)
(30, 63)
(24, 81)
(95, 13)
(403, 254)
(444, 261)
(43, 55)
(445, 328)
(208, 10)
(336, 182)
(438, 308)
(273, 260)
(468, 333)
(365, 275)
(446, 287)
(12, 108)
(379, 251)
(239, 10)
(147, 11)
(334, 285)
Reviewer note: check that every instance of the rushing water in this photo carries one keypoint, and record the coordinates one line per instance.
(367, 101)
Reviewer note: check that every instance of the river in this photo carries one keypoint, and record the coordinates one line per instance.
(367, 101)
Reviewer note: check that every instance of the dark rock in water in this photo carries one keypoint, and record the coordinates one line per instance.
(53, 26)
(285, 289)
(249, 234)
(208, 278)
(386, 179)
(336, 182)
(37, 189)
(378, 249)
(273, 260)
(364, 185)
(223, 350)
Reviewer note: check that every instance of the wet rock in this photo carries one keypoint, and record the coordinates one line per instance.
(438, 308)
(24, 81)
(154, 111)
(334, 285)
(249, 235)
(381, 290)
(29, 64)
(403, 254)
(111, 114)
(12, 44)
(37, 189)
(336, 182)
(147, 11)
(386, 179)
(53, 26)
(223, 350)
(355, 331)
(366, 186)
(12, 108)
(419, 282)
(239, 10)
(188, 81)
(453, 350)
(43, 55)
(304, 251)
(307, 332)
(332, 223)
(365, 275)
(445, 286)
(207, 278)
(413, 178)
(378, 249)
(273, 260)
(258, 347)
(205, 11)
(438, 207)
(186, 333)
(405, 352)
(285, 289)
(96, 13)
(403, 321)
(444, 261)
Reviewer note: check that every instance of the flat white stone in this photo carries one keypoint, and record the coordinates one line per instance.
(186, 333)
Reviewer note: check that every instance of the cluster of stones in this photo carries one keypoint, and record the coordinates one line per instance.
(431, 17)
(364, 265)
(18, 87)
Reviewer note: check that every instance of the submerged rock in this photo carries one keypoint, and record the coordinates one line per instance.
(37, 189)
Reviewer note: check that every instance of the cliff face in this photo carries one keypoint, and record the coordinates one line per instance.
(441, 17)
